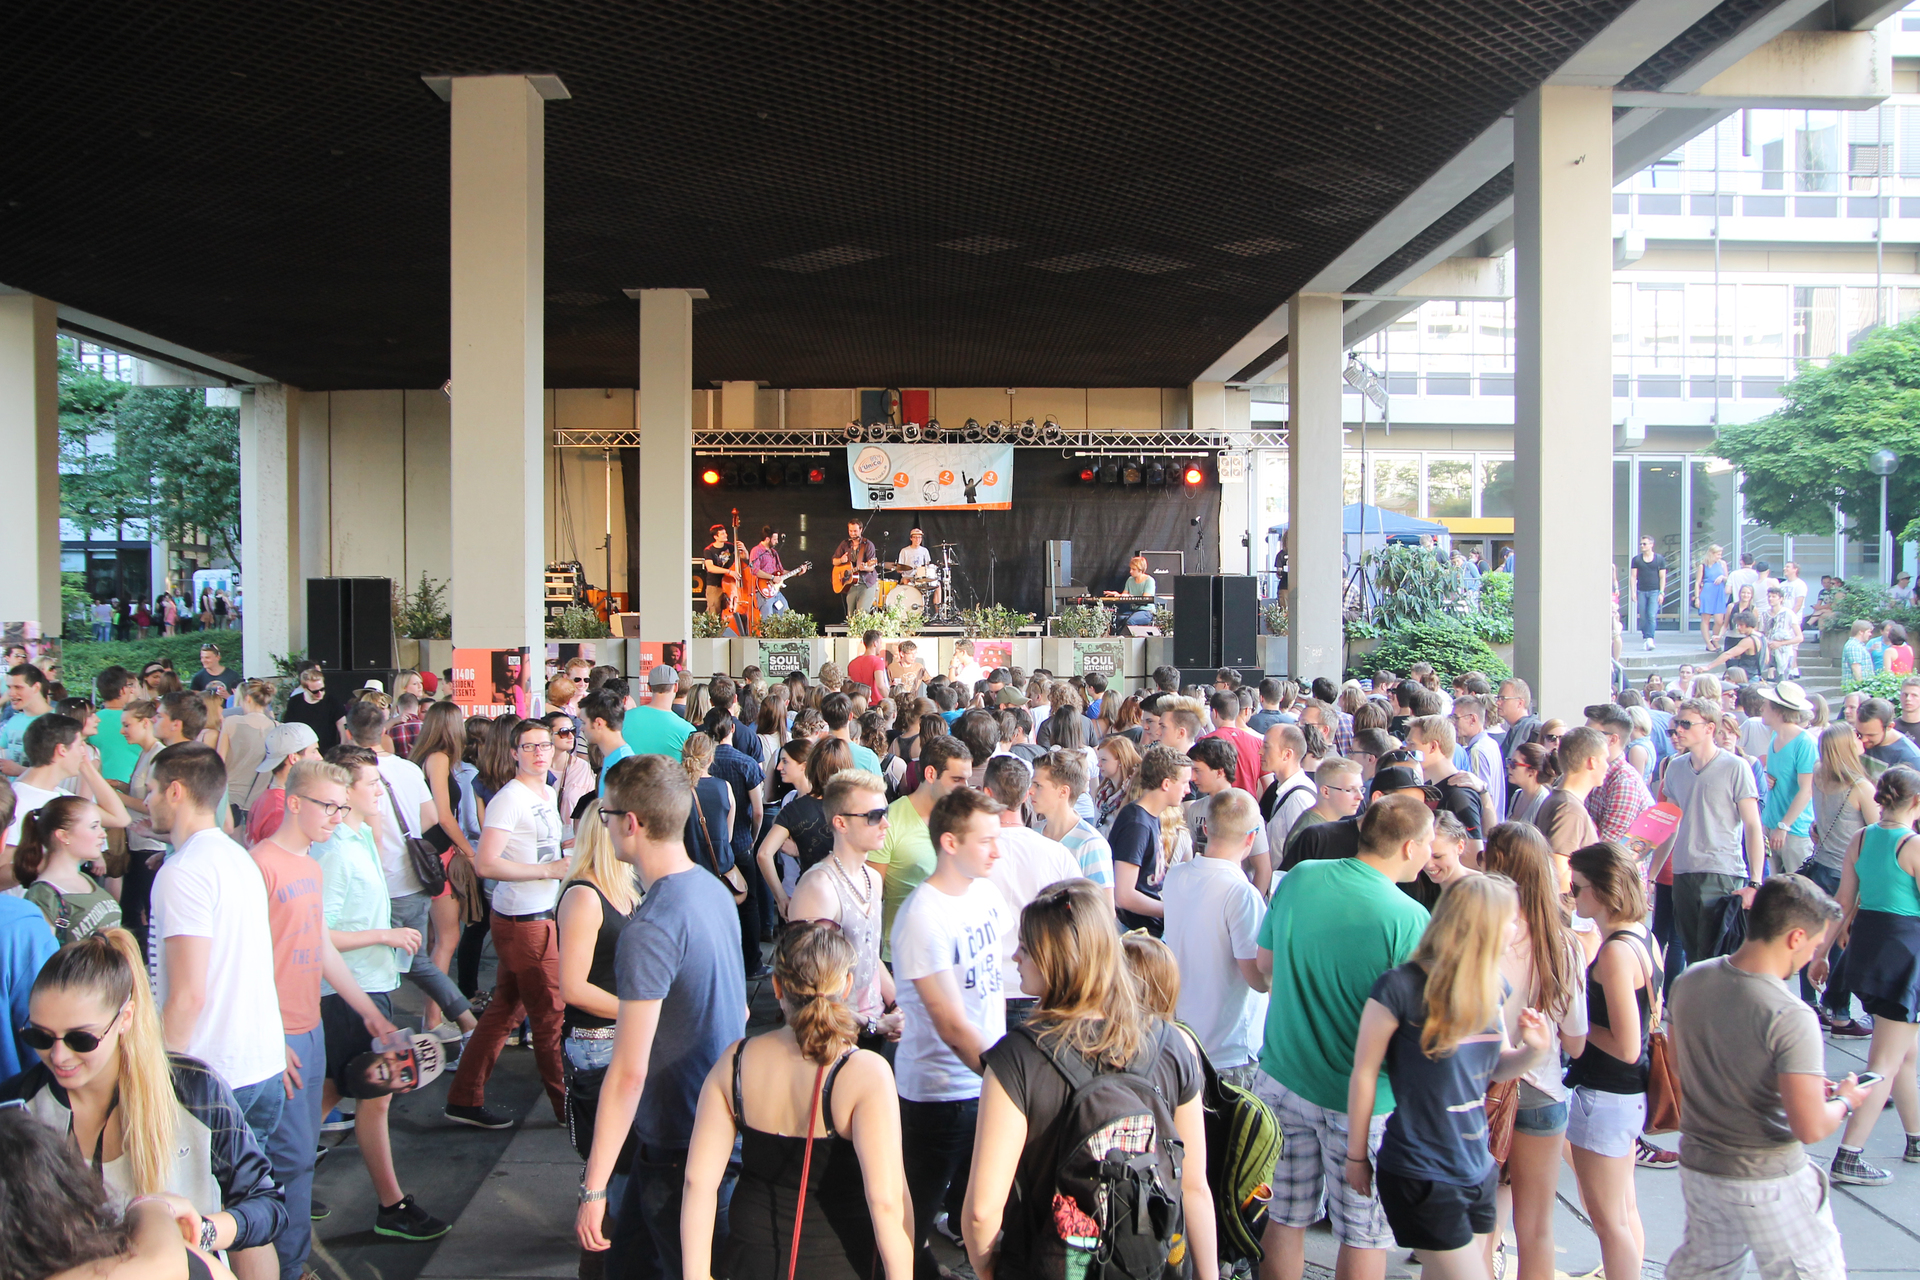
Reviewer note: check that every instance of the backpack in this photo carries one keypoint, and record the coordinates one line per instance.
(1243, 1145)
(1116, 1159)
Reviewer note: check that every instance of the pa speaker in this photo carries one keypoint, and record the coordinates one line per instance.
(327, 622)
(370, 623)
(1193, 622)
(1238, 625)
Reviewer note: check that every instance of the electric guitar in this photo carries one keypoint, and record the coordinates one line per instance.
(772, 582)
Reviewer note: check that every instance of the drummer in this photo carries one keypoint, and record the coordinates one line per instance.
(917, 561)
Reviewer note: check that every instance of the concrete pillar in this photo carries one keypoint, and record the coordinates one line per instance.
(1236, 496)
(30, 441)
(1563, 436)
(663, 412)
(498, 361)
(269, 523)
(1316, 642)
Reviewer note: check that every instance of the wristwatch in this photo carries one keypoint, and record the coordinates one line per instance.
(208, 1234)
(589, 1197)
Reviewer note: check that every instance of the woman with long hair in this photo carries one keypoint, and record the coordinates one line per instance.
(803, 1102)
(1126, 719)
(575, 777)
(473, 892)
(1880, 891)
(147, 1121)
(215, 704)
(57, 841)
(438, 751)
(802, 829)
(709, 833)
(1535, 770)
(1088, 1011)
(1435, 1024)
(1843, 806)
(790, 766)
(698, 700)
(1542, 966)
(1118, 760)
(1609, 1078)
(243, 745)
(770, 726)
(1068, 732)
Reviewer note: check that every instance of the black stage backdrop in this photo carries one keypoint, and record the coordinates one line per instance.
(1001, 554)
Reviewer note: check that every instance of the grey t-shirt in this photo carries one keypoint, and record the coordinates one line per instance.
(682, 948)
(1710, 837)
(1733, 1033)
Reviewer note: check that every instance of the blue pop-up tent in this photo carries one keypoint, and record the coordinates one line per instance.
(1365, 527)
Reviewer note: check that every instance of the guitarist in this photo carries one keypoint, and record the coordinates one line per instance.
(721, 569)
(857, 569)
(765, 560)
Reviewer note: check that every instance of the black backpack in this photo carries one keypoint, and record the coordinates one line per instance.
(1116, 1170)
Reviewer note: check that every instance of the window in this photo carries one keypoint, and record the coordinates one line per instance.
(1762, 336)
(1816, 322)
(1449, 486)
(1396, 482)
(1657, 311)
(1349, 479)
(1496, 488)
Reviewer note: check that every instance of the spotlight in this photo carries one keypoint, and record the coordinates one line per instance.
(1027, 432)
(877, 432)
(1194, 475)
(710, 477)
(996, 429)
(931, 432)
(972, 433)
(731, 476)
(1156, 473)
(749, 476)
(818, 475)
(796, 474)
(776, 474)
(1110, 472)
(1050, 430)
(1088, 475)
(911, 433)
(1130, 474)
(854, 433)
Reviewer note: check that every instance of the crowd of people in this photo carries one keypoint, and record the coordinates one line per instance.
(1082, 981)
(113, 618)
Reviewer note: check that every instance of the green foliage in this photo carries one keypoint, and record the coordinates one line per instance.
(1163, 619)
(82, 660)
(994, 621)
(1492, 629)
(422, 614)
(1275, 616)
(576, 623)
(789, 624)
(1859, 598)
(707, 626)
(1449, 646)
(1084, 622)
(1496, 595)
(76, 605)
(1361, 629)
(894, 624)
(1801, 461)
(1413, 586)
(1885, 685)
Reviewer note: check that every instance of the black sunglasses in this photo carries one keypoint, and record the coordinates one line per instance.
(41, 1040)
(874, 817)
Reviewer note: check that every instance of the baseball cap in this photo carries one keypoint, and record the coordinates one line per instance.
(430, 682)
(284, 740)
(662, 677)
(1396, 778)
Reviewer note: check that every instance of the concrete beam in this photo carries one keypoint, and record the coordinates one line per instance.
(1811, 70)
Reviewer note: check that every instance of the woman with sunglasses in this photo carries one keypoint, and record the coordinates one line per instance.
(572, 777)
(1534, 770)
(148, 1122)
(801, 830)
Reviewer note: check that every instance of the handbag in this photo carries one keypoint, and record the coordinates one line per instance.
(1503, 1108)
(806, 1167)
(422, 857)
(1663, 1070)
(735, 882)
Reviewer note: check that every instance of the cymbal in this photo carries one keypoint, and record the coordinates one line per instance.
(890, 566)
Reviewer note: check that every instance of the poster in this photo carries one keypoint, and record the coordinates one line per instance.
(778, 657)
(931, 477)
(494, 682)
(644, 655)
(1099, 657)
(993, 653)
(25, 643)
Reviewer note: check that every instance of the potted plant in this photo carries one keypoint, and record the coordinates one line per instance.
(423, 625)
(1084, 640)
(1273, 645)
(995, 632)
(894, 625)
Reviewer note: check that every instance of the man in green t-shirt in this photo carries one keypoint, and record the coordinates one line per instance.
(907, 856)
(1334, 927)
(115, 687)
(653, 730)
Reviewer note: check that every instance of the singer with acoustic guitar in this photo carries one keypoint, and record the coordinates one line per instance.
(856, 569)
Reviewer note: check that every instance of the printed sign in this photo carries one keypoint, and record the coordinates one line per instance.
(1099, 657)
(493, 682)
(931, 477)
(993, 653)
(778, 657)
(25, 642)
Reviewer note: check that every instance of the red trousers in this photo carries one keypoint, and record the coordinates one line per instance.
(527, 981)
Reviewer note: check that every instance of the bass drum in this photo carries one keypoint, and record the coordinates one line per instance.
(906, 599)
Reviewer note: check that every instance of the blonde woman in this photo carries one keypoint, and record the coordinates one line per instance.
(801, 1097)
(215, 703)
(1138, 587)
(242, 743)
(1843, 806)
(148, 1122)
(1710, 596)
(1119, 760)
(1088, 1012)
(1435, 1025)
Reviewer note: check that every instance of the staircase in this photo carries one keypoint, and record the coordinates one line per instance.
(1818, 674)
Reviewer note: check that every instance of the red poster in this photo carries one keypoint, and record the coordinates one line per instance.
(494, 682)
(993, 653)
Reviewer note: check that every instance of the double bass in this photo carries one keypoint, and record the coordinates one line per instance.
(743, 596)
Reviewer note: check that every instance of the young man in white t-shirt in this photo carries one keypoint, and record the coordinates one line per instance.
(1212, 926)
(213, 946)
(1029, 862)
(946, 965)
(56, 756)
(1059, 780)
(520, 848)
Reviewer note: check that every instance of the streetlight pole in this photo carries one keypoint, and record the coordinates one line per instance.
(1884, 463)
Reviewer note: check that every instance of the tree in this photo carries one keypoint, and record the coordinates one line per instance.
(1811, 455)
(93, 489)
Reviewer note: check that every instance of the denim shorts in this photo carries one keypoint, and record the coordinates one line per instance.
(1549, 1121)
(1605, 1123)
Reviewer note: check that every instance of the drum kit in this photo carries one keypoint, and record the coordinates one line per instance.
(910, 589)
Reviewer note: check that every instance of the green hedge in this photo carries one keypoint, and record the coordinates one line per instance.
(1885, 685)
(1450, 648)
(82, 660)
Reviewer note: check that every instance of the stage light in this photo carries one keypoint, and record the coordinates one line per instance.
(776, 473)
(710, 477)
(1088, 475)
(1027, 432)
(911, 433)
(817, 475)
(749, 476)
(731, 476)
(1110, 472)
(1050, 430)
(1156, 473)
(1194, 475)
(1130, 474)
(796, 474)
(931, 431)
(855, 433)
(972, 433)
(996, 429)
(877, 432)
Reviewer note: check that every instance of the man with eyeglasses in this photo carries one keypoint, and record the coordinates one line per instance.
(1339, 788)
(313, 804)
(520, 849)
(1484, 760)
(1513, 708)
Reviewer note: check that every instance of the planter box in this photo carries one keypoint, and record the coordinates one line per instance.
(1831, 643)
(1159, 653)
(1119, 658)
(1273, 655)
(423, 655)
(708, 658)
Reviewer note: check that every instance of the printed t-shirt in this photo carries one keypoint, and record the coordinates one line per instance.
(1333, 928)
(75, 915)
(533, 832)
(297, 913)
(1438, 1129)
(354, 897)
(937, 932)
(682, 948)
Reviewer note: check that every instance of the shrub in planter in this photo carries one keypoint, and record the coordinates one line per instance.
(789, 624)
(892, 623)
(1885, 685)
(994, 621)
(1448, 646)
(708, 627)
(576, 623)
(1084, 622)
(1275, 616)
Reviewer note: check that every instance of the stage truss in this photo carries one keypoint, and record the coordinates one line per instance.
(772, 444)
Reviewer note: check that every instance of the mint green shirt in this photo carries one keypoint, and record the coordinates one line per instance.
(354, 898)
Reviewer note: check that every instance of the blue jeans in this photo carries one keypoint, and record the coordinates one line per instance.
(290, 1149)
(260, 1105)
(585, 1055)
(937, 1138)
(415, 911)
(775, 603)
(646, 1231)
(1648, 603)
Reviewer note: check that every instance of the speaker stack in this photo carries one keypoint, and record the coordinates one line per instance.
(350, 630)
(1216, 623)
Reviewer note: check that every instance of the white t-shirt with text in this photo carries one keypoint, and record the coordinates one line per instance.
(936, 932)
(533, 832)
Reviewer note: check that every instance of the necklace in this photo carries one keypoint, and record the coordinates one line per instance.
(864, 894)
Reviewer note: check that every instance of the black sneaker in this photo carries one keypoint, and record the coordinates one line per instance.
(408, 1221)
(478, 1117)
(1913, 1149)
(1851, 1167)
(1850, 1029)
(320, 1211)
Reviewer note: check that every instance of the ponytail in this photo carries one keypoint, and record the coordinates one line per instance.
(36, 834)
(812, 963)
(696, 754)
(108, 966)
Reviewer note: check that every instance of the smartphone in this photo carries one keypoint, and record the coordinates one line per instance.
(1868, 1079)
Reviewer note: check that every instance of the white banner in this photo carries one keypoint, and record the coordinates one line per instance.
(936, 477)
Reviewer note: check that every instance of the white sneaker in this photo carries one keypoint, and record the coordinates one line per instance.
(1649, 642)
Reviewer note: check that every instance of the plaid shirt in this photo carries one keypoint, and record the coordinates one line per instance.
(1618, 800)
(1343, 734)
(404, 734)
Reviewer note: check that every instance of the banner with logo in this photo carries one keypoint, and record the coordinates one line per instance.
(494, 683)
(931, 477)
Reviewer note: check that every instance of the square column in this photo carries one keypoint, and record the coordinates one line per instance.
(1563, 430)
(30, 440)
(269, 524)
(1316, 641)
(498, 288)
(663, 414)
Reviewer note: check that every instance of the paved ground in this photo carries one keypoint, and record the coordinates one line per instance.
(511, 1195)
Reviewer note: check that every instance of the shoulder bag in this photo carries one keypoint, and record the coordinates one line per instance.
(1663, 1070)
(422, 857)
(735, 882)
